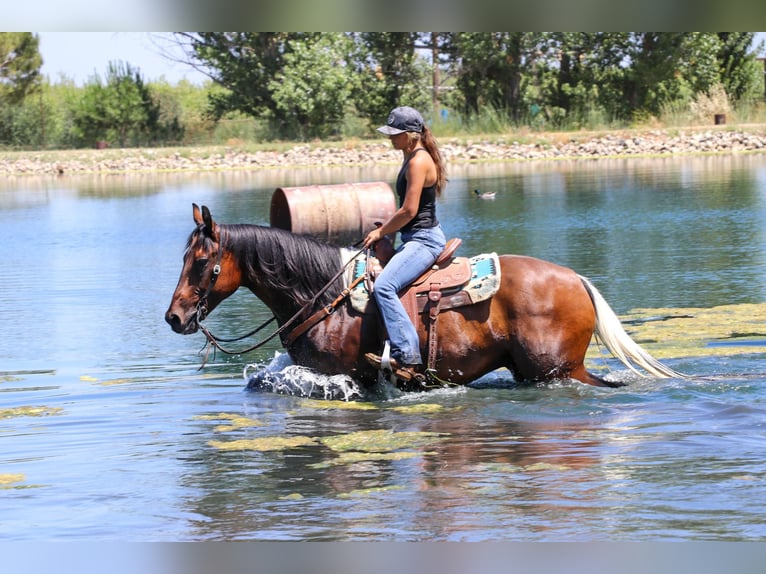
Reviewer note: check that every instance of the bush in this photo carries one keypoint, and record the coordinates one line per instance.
(706, 105)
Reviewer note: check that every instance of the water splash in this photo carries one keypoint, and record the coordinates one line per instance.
(281, 376)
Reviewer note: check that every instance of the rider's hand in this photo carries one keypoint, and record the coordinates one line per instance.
(372, 238)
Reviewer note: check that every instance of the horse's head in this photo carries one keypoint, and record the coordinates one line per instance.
(208, 276)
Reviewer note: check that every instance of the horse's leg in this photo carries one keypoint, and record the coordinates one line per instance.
(337, 345)
(583, 375)
(550, 320)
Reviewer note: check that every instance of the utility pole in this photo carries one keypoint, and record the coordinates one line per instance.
(764, 76)
(42, 118)
(435, 64)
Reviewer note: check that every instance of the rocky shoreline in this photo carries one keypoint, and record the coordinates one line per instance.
(224, 158)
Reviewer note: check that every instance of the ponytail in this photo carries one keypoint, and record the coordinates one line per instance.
(429, 142)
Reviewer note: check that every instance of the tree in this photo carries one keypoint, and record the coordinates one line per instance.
(245, 63)
(20, 63)
(313, 88)
(389, 74)
(659, 69)
(118, 111)
(299, 81)
(492, 68)
(167, 122)
(587, 73)
(738, 69)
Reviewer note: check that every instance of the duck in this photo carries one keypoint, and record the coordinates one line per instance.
(484, 195)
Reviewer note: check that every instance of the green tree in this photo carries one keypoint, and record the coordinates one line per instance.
(493, 67)
(587, 73)
(313, 89)
(245, 63)
(738, 68)
(42, 119)
(168, 127)
(57, 125)
(297, 81)
(119, 111)
(193, 101)
(266, 74)
(659, 70)
(390, 74)
(20, 63)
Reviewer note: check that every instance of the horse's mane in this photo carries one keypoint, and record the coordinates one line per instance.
(298, 265)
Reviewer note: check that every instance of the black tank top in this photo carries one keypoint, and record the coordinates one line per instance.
(425, 218)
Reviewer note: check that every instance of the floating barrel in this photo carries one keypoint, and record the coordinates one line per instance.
(340, 214)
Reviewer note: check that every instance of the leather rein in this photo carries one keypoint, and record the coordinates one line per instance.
(214, 341)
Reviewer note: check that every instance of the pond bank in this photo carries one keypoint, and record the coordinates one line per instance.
(574, 145)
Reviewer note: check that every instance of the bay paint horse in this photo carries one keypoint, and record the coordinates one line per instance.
(539, 324)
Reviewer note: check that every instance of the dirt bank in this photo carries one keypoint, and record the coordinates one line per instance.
(633, 143)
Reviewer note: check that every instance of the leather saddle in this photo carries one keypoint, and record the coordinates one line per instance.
(448, 274)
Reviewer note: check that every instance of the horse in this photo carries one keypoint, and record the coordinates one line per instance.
(538, 324)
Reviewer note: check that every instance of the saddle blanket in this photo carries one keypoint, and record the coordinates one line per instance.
(483, 283)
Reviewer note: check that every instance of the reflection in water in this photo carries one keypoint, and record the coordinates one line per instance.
(470, 456)
(135, 184)
(531, 465)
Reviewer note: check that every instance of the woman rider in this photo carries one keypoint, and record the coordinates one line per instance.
(421, 180)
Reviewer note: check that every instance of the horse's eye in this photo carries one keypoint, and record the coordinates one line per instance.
(200, 264)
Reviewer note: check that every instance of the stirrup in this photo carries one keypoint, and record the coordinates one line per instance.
(407, 374)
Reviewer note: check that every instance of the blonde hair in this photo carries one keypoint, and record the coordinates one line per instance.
(429, 142)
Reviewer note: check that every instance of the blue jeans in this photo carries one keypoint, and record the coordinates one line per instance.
(418, 251)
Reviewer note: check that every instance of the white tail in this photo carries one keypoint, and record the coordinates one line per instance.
(619, 343)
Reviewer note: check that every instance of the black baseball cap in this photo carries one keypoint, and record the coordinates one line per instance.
(402, 119)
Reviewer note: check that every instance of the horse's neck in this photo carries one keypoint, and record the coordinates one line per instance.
(284, 302)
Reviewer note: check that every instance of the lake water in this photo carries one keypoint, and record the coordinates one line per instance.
(108, 430)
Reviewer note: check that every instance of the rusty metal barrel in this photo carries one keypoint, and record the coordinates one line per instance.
(341, 214)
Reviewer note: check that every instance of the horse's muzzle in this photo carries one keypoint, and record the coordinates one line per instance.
(179, 325)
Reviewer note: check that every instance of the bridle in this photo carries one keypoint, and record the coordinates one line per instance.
(202, 309)
(215, 341)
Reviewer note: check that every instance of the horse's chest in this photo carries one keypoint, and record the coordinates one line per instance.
(331, 336)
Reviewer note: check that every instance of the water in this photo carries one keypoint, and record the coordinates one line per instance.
(108, 430)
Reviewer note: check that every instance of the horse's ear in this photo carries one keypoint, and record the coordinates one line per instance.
(211, 228)
(197, 214)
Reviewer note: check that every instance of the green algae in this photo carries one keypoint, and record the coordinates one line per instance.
(7, 480)
(236, 422)
(339, 405)
(263, 444)
(29, 411)
(380, 440)
(725, 330)
(293, 496)
(421, 408)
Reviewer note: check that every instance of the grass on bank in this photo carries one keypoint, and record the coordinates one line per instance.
(244, 135)
(518, 136)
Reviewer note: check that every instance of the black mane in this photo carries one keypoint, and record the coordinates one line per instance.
(297, 265)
